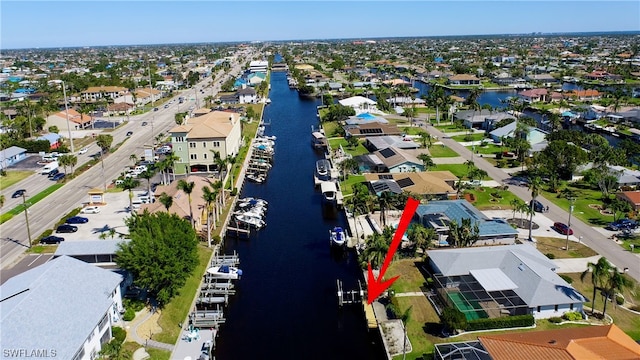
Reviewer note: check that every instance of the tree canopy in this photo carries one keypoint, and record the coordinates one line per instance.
(162, 253)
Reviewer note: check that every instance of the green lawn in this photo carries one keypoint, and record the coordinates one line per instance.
(581, 210)
(359, 150)
(487, 150)
(176, 311)
(473, 137)
(347, 185)
(30, 201)
(450, 128)
(556, 246)
(459, 170)
(441, 151)
(411, 279)
(488, 198)
(13, 177)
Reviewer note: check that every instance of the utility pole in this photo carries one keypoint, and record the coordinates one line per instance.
(26, 216)
(569, 223)
(66, 110)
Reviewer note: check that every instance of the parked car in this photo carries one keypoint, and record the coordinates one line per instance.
(537, 206)
(90, 210)
(58, 176)
(66, 228)
(562, 228)
(18, 193)
(51, 239)
(77, 220)
(623, 224)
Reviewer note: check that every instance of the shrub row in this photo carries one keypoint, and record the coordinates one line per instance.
(572, 316)
(501, 323)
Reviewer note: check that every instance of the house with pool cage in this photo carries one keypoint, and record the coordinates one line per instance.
(496, 281)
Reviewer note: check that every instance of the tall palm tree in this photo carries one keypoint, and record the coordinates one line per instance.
(427, 161)
(535, 185)
(425, 139)
(218, 188)
(104, 142)
(376, 250)
(133, 158)
(231, 160)
(421, 236)
(209, 196)
(171, 160)
(599, 272)
(187, 188)
(406, 316)
(614, 282)
(463, 234)
(147, 175)
(384, 201)
(129, 184)
(166, 200)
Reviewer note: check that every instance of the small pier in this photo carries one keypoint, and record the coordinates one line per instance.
(357, 297)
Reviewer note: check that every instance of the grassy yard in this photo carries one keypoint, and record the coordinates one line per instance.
(331, 128)
(459, 170)
(489, 198)
(176, 311)
(347, 185)
(488, 149)
(13, 177)
(450, 128)
(441, 151)
(411, 279)
(582, 210)
(555, 246)
(469, 137)
(359, 150)
(421, 313)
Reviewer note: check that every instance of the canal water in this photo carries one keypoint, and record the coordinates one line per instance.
(286, 305)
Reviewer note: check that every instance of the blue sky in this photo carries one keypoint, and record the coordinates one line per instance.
(26, 24)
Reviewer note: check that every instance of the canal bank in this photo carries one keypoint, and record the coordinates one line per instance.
(286, 305)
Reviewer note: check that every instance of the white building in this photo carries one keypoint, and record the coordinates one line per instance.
(62, 309)
(258, 66)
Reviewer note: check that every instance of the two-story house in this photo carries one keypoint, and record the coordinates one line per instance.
(195, 141)
(96, 93)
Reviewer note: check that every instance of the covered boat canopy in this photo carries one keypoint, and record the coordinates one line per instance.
(328, 186)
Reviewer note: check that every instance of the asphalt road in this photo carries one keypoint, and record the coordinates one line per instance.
(590, 237)
(45, 213)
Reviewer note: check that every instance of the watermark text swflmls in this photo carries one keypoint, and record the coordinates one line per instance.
(29, 353)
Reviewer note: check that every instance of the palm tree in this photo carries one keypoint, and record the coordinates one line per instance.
(209, 196)
(421, 236)
(171, 160)
(376, 250)
(187, 188)
(516, 204)
(104, 142)
(129, 184)
(406, 316)
(231, 160)
(384, 201)
(427, 161)
(599, 271)
(425, 139)
(133, 158)
(463, 234)
(166, 200)
(535, 185)
(615, 281)
(147, 175)
(347, 166)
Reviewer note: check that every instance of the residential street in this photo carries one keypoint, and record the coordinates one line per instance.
(590, 237)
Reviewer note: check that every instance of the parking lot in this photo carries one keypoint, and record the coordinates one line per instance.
(112, 216)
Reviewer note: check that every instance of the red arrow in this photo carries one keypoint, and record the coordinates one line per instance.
(375, 286)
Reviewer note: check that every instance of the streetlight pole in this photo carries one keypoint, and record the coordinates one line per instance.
(569, 223)
(66, 110)
(26, 216)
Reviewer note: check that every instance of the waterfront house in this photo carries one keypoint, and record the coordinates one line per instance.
(535, 136)
(256, 78)
(77, 121)
(11, 156)
(463, 79)
(258, 66)
(583, 95)
(374, 143)
(194, 141)
(473, 118)
(534, 95)
(497, 281)
(543, 79)
(246, 95)
(371, 129)
(64, 306)
(432, 184)
(397, 160)
(54, 140)
(632, 197)
(360, 104)
(587, 342)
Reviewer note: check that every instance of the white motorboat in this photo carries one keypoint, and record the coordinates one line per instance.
(338, 236)
(256, 178)
(323, 169)
(225, 272)
(251, 202)
(329, 191)
(251, 221)
(256, 212)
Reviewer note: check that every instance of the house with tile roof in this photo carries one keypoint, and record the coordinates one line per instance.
(64, 308)
(534, 95)
(77, 121)
(96, 93)
(507, 280)
(590, 342)
(195, 141)
(632, 197)
(433, 183)
(583, 95)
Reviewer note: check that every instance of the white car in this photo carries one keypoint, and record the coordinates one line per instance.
(90, 210)
(83, 151)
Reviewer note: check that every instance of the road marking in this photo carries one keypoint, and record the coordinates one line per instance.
(38, 257)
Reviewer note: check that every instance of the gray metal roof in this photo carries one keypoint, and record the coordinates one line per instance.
(385, 141)
(55, 305)
(89, 247)
(532, 273)
(11, 152)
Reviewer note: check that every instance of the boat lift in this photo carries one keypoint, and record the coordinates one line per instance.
(350, 296)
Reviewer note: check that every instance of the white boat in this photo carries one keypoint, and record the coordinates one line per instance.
(338, 236)
(249, 201)
(256, 178)
(329, 191)
(323, 169)
(255, 212)
(251, 221)
(225, 272)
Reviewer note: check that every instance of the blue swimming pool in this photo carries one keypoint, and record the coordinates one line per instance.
(366, 116)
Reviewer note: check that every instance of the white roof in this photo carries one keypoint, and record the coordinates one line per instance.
(356, 100)
(328, 186)
(493, 279)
